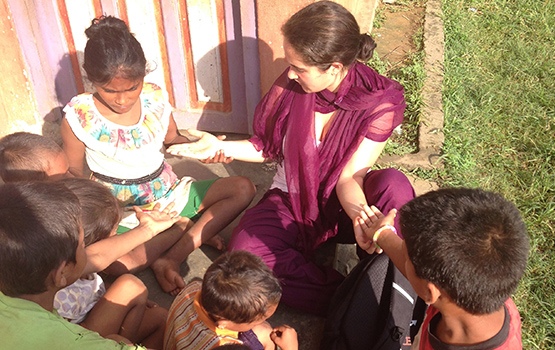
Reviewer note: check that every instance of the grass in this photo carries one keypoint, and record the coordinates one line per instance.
(410, 74)
(499, 104)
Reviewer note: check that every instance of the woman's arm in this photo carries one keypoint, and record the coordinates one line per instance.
(207, 146)
(349, 186)
(74, 150)
(263, 332)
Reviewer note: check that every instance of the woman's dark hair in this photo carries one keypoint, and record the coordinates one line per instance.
(112, 51)
(325, 32)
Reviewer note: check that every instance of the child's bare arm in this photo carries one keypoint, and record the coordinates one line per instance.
(119, 339)
(263, 332)
(375, 232)
(285, 337)
(74, 150)
(104, 252)
(173, 136)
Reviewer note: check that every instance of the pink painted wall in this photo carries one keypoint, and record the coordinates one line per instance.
(41, 56)
(271, 18)
(17, 106)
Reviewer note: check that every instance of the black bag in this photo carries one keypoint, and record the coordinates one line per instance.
(375, 308)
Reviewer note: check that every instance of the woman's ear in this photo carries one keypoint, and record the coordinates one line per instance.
(335, 68)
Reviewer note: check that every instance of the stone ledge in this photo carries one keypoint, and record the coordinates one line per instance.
(430, 131)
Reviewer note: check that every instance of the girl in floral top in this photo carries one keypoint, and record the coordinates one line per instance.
(120, 130)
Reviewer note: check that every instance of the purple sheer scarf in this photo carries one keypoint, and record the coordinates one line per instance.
(366, 105)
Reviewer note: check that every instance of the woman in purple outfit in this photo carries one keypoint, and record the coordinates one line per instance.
(325, 121)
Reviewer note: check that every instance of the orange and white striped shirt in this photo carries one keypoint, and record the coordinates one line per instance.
(189, 326)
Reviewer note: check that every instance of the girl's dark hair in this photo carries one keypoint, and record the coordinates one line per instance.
(112, 51)
(239, 287)
(325, 32)
(100, 210)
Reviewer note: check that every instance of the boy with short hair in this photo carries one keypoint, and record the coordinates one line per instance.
(42, 251)
(30, 157)
(464, 252)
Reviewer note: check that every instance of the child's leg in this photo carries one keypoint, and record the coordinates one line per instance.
(224, 201)
(120, 310)
(144, 255)
(153, 325)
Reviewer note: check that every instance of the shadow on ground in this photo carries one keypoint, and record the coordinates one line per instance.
(309, 327)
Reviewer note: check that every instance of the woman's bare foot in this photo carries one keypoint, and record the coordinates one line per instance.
(167, 274)
(217, 242)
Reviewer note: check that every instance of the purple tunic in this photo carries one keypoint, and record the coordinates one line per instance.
(285, 228)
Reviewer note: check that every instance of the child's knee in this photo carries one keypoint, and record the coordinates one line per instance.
(244, 188)
(134, 288)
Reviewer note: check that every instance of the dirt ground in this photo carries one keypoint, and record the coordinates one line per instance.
(394, 35)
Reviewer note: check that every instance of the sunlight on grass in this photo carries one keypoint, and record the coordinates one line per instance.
(499, 103)
(411, 75)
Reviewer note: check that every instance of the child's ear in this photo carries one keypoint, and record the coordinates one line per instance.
(432, 293)
(59, 278)
(222, 324)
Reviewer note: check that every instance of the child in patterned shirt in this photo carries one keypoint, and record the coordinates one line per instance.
(121, 130)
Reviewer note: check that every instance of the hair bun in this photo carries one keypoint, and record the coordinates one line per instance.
(103, 23)
(367, 46)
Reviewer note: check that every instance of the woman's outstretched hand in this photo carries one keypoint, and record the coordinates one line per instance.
(203, 146)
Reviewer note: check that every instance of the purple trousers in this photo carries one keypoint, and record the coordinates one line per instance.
(269, 231)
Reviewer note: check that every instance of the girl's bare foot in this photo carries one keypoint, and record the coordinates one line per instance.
(168, 276)
(217, 242)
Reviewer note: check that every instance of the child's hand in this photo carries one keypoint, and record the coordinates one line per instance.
(367, 223)
(285, 337)
(204, 145)
(219, 157)
(157, 220)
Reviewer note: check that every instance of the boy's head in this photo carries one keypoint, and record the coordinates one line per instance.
(100, 210)
(30, 157)
(40, 231)
(469, 243)
(238, 289)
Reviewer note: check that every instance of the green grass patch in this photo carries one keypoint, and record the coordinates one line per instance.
(411, 75)
(499, 104)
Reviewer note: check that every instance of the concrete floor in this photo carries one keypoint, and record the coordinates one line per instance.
(309, 327)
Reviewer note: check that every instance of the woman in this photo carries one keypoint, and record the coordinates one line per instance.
(325, 121)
